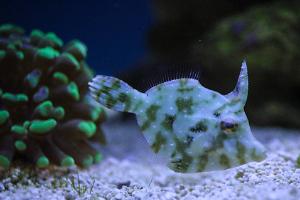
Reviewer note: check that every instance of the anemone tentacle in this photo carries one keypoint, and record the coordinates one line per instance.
(44, 109)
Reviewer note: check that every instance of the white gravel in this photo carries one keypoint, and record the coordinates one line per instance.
(131, 171)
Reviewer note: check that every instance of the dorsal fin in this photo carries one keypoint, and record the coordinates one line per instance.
(145, 77)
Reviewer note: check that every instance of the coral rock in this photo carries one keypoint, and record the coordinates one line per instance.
(268, 36)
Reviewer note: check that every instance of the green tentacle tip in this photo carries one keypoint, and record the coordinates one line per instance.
(87, 127)
(61, 77)
(97, 158)
(45, 108)
(59, 112)
(73, 91)
(4, 162)
(18, 129)
(15, 98)
(53, 37)
(9, 97)
(42, 126)
(12, 47)
(2, 54)
(80, 47)
(47, 53)
(26, 124)
(10, 28)
(73, 60)
(67, 161)
(20, 55)
(95, 113)
(88, 161)
(42, 162)
(4, 115)
(20, 145)
(22, 98)
(36, 33)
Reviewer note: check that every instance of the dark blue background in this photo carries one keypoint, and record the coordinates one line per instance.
(113, 30)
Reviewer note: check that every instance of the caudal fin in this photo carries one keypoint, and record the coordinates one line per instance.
(115, 94)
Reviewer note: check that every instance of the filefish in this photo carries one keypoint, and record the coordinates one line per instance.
(195, 129)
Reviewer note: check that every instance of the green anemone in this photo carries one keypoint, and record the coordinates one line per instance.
(45, 117)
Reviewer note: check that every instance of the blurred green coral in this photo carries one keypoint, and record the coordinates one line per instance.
(268, 37)
(298, 162)
(262, 33)
(46, 116)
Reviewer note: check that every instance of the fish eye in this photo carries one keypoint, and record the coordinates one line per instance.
(229, 127)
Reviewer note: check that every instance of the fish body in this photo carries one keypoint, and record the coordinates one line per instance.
(194, 128)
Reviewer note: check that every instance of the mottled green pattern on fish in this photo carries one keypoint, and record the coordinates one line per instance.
(197, 129)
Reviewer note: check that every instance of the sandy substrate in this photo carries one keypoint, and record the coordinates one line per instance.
(131, 171)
